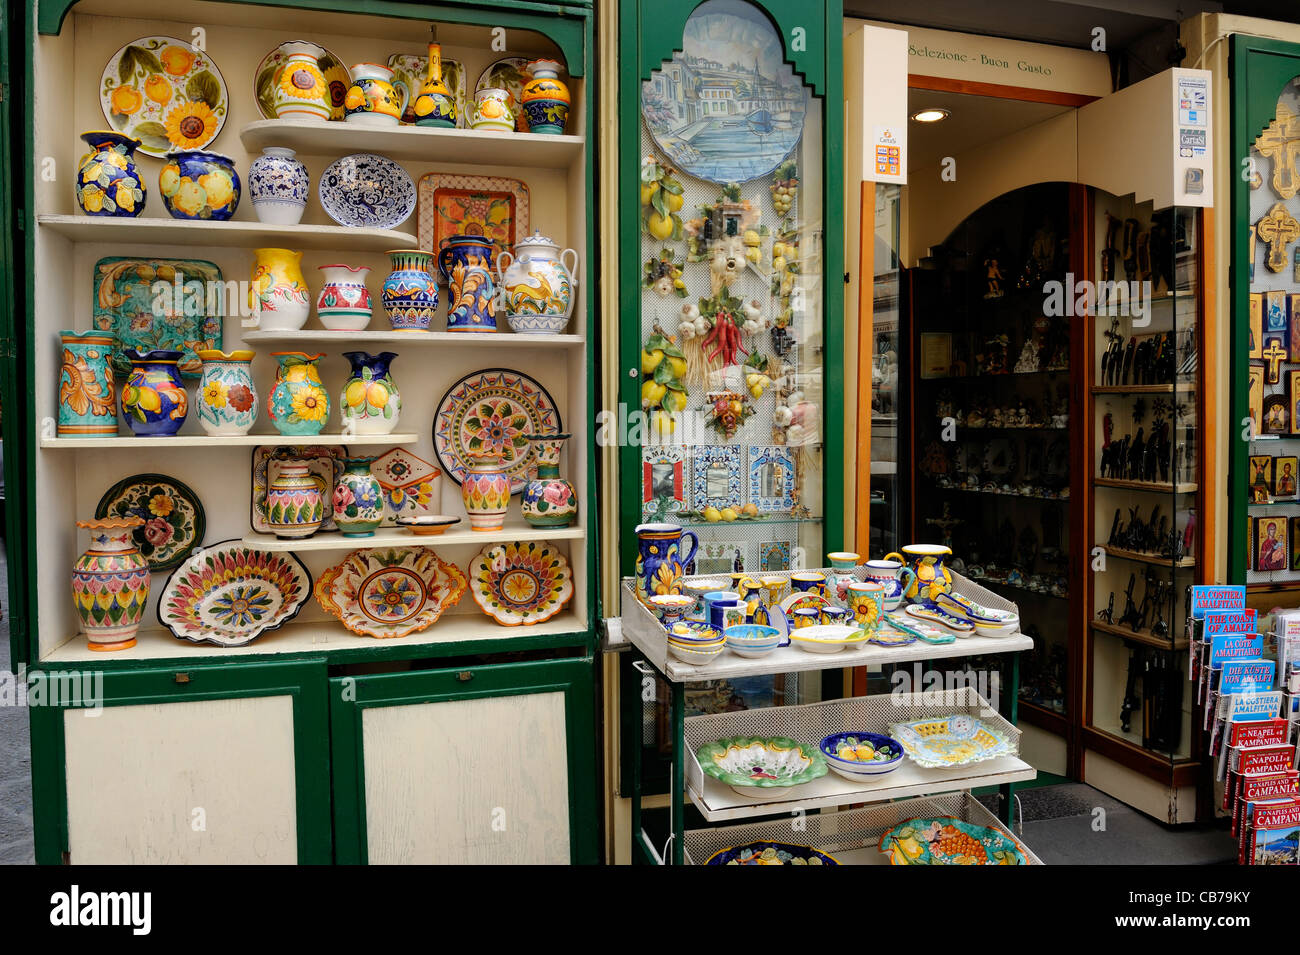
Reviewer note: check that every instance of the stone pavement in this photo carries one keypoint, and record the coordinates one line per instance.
(16, 845)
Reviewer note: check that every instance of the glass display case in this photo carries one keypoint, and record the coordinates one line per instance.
(1145, 441)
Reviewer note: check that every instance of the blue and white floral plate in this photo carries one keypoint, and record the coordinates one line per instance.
(364, 191)
(988, 621)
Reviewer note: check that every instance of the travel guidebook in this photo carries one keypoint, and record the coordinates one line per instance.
(1272, 834)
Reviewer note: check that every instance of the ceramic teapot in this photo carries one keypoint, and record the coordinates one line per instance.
(537, 285)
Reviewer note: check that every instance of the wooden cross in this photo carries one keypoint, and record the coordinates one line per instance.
(1279, 229)
(1280, 142)
(1274, 355)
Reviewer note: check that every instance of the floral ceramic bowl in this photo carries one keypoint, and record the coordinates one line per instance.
(855, 755)
(390, 592)
(670, 608)
(697, 636)
(752, 765)
(771, 853)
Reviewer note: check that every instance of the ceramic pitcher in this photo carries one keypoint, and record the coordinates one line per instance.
(931, 577)
(410, 293)
(87, 401)
(371, 403)
(110, 583)
(358, 499)
(549, 500)
(298, 403)
(537, 285)
(465, 264)
(295, 501)
(486, 491)
(893, 576)
(278, 295)
(493, 109)
(434, 104)
(108, 183)
(661, 560)
(344, 301)
(371, 99)
(545, 98)
(302, 92)
(226, 396)
(153, 399)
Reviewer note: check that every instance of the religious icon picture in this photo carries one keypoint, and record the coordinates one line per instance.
(1295, 543)
(1271, 552)
(1284, 476)
(1277, 414)
(1275, 352)
(1261, 478)
(1274, 311)
(1255, 404)
(1256, 324)
(1293, 391)
(1294, 324)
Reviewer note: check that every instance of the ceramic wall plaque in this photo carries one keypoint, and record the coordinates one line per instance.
(664, 482)
(771, 477)
(173, 518)
(324, 461)
(158, 304)
(165, 93)
(727, 108)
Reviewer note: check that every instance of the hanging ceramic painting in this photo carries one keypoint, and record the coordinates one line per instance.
(716, 477)
(128, 305)
(771, 477)
(173, 519)
(727, 108)
(165, 93)
(663, 481)
(493, 410)
(386, 593)
(494, 207)
(229, 594)
(522, 583)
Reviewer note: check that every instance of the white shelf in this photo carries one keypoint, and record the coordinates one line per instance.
(719, 802)
(400, 537)
(475, 146)
(323, 636)
(503, 339)
(245, 440)
(238, 234)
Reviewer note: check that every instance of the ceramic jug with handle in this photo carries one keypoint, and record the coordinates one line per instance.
(893, 576)
(931, 577)
(537, 285)
(662, 559)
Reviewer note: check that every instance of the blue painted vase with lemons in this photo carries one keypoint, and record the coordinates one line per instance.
(108, 183)
(931, 577)
(196, 184)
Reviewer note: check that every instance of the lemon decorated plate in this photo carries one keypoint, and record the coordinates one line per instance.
(955, 740)
(948, 841)
(166, 93)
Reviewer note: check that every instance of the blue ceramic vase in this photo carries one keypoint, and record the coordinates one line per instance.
(154, 401)
(108, 183)
(465, 264)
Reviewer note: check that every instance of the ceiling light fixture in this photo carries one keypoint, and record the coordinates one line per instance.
(931, 114)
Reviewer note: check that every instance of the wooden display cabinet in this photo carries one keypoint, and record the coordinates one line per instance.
(54, 481)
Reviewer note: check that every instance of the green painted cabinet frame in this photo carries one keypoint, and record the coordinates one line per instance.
(350, 697)
(303, 680)
(650, 31)
(1259, 69)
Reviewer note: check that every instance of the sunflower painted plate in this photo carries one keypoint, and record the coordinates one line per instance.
(946, 840)
(956, 740)
(390, 592)
(174, 521)
(230, 594)
(493, 410)
(520, 584)
(752, 765)
(509, 74)
(165, 93)
(268, 72)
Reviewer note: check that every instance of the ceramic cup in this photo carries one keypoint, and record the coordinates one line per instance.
(805, 617)
(809, 582)
(834, 616)
(697, 587)
(715, 602)
(867, 602)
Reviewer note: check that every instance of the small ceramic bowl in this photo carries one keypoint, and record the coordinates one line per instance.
(670, 608)
(427, 525)
(752, 640)
(828, 639)
(537, 324)
(689, 636)
(856, 769)
(694, 657)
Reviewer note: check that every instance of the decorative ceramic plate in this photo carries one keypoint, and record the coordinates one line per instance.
(409, 71)
(127, 306)
(771, 853)
(955, 740)
(491, 206)
(521, 583)
(268, 72)
(933, 614)
(385, 593)
(508, 74)
(492, 410)
(987, 620)
(890, 636)
(919, 629)
(324, 461)
(365, 191)
(763, 118)
(409, 483)
(756, 763)
(949, 841)
(229, 594)
(165, 93)
(173, 517)
(429, 525)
